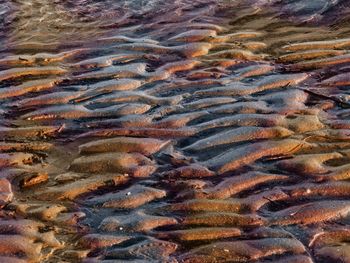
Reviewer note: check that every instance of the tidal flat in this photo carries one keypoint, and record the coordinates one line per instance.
(162, 131)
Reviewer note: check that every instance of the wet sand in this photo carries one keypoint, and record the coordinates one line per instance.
(174, 131)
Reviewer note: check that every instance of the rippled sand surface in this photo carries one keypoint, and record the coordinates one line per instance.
(174, 131)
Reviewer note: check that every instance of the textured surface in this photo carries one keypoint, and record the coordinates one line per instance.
(174, 131)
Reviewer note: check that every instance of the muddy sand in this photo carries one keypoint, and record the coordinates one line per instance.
(174, 131)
